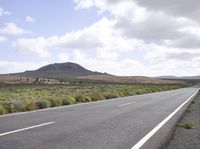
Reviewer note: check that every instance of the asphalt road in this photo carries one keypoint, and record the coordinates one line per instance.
(112, 124)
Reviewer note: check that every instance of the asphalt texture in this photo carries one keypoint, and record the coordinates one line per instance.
(111, 124)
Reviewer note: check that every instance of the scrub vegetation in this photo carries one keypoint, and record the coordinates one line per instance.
(27, 97)
(187, 125)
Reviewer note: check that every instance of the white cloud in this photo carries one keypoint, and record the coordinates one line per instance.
(38, 46)
(14, 66)
(77, 55)
(184, 8)
(29, 19)
(128, 66)
(99, 37)
(83, 3)
(12, 29)
(169, 43)
(63, 57)
(2, 39)
(167, 40)
(118, 8)
(4, 12)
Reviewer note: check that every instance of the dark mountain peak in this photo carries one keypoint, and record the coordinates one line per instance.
(68, 66)
(60, 70)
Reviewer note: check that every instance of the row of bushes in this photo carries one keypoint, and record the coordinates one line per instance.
(20, 106)
(39, 91)
(29, 105)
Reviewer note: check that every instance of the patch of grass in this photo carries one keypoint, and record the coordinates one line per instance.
(111, 95)
(82, 98)
(2, 110)
(88, 99)
(187, 125)
(24, 97)
(97, 96)
(68, 100)
(42, 103)
(16, 106)
(30, 105)
(55, 102)
(12, 106)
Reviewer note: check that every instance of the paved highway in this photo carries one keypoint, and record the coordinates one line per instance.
(121, 123)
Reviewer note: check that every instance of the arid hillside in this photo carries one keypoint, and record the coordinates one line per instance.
(128, 79)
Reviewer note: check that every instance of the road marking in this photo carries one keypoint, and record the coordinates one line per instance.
(139, 144)
(126, 104)
(27, 128)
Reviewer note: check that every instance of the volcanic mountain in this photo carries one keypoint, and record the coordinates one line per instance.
(75, 71)
(60, 70)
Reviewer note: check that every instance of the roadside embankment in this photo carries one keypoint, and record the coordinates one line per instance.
(187, 133)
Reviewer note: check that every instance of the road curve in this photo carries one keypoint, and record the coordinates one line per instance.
(112, 124)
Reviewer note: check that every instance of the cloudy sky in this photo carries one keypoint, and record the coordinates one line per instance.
(121, 37)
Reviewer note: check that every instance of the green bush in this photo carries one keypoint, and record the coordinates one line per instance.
(126, 92)
(157, 89)
(146, 90)
(187, 125)
(111, 95)
(121, 94)
(55, 102)
(57, 93)
(30, 105)
(42, 104)
(2, 110)
(82, 98)
(151, 90)
(16, 106)
(140, 91)
(6, 107)
(97, 96)
(9, 107)
(88, 99)
(68, 100)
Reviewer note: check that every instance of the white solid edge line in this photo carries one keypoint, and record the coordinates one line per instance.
(27, 128)
(126, 104)
(139, 144)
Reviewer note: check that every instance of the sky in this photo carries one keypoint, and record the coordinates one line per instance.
(120, 37)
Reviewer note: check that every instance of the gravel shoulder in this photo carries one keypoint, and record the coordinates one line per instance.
(187, 132)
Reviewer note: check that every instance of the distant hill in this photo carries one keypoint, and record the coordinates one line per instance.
(180, 78)
(128, 79)
(59, 70)
(75, 71)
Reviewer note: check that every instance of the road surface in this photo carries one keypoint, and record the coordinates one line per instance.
(112, 124)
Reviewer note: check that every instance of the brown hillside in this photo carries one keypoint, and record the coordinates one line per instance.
(128, 79)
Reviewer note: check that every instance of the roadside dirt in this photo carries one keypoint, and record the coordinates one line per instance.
(187, 132)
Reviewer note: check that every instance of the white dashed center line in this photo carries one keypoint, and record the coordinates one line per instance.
(126, 104)
(27, 128)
